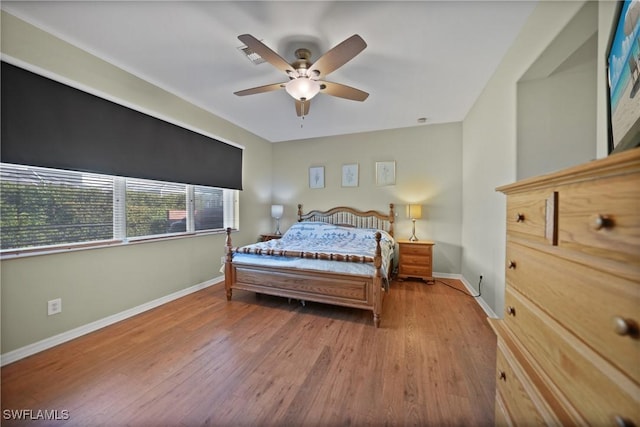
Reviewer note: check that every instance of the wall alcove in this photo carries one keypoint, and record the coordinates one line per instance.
(557, 100)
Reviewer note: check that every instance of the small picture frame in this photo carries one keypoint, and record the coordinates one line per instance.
(316, 177)
(350, 175)
(386, 173)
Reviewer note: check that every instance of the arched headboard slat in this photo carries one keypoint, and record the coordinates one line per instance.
(352, 217)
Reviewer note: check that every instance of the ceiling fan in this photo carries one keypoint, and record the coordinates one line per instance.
(304, 76)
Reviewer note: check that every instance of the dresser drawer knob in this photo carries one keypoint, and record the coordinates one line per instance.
(502, 376)
(625, 327)
(511, 265)
(623, 422)
(519, 217)
(511, 311)
(600, 222)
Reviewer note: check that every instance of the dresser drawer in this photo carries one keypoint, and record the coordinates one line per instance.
(520, 402)
(501, 416)
(598, 391)
(417, 249)
(585, 301)
(602, 218)
(527, 213)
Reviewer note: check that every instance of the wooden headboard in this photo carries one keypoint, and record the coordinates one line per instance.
(352, 217)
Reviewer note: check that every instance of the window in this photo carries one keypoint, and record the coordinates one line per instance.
(208, 208)
(151, 207)
(46, 207)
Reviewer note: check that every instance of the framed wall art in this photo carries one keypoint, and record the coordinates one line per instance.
(316, 177)
(386, 173)
(623, 72)
(350, 175)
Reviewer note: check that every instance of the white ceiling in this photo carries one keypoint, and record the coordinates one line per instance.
(423, 59)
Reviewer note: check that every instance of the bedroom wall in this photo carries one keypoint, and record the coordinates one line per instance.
(556, 116)
(490, 137)
(97, 283)
(428, 171)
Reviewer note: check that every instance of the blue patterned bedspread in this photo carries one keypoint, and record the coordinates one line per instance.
(325, 238)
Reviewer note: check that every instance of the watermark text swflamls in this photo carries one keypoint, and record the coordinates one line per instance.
(36, 414)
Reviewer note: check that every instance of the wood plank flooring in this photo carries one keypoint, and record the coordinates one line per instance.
(264, 361)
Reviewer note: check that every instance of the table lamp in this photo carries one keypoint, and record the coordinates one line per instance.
(276, 212)
(414, 212)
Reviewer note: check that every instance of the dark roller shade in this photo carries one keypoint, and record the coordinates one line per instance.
(49, 124)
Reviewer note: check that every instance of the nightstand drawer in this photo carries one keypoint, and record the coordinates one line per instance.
(415, 249)
(412, 260)
(414, 270)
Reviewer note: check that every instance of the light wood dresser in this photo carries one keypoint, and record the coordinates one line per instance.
(415, 259)
(568, 346)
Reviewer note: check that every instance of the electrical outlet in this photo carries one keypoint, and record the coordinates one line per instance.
(54, 306)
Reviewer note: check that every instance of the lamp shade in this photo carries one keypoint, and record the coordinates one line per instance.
(302, 88)
(276, 211)
(414, 211)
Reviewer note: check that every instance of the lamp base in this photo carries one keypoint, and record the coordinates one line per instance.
(413, 237)
(277, 227)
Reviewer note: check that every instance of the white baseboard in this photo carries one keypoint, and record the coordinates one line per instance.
(55, 340)
(481, 302)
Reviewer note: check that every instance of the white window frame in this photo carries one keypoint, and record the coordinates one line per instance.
(230, 219)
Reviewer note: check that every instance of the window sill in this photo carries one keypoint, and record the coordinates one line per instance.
(58, 249)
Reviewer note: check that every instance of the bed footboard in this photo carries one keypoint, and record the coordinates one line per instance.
(357, 291)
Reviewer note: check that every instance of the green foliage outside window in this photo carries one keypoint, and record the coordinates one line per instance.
(39, 215)
(45, 207)
(147, 212)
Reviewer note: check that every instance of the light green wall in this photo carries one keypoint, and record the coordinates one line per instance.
(556, 118)
(97, 283)
(428, 171)
(490, 140)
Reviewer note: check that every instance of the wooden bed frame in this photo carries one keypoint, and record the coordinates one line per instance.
(358, 291)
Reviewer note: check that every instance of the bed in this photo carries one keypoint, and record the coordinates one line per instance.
(342, 256)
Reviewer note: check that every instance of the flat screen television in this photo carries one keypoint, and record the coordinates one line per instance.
(623, 69)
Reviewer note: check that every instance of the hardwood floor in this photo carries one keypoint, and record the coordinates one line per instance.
(262, 361)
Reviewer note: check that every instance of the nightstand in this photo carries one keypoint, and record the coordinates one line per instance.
(416, 259)
(269, 236)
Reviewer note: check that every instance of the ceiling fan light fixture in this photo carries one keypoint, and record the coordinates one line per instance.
(302, 89)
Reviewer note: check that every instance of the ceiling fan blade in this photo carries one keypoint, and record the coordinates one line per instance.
(338, 56)
(265, 52)
(342, 91)
(260, 89)
(302, 108)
